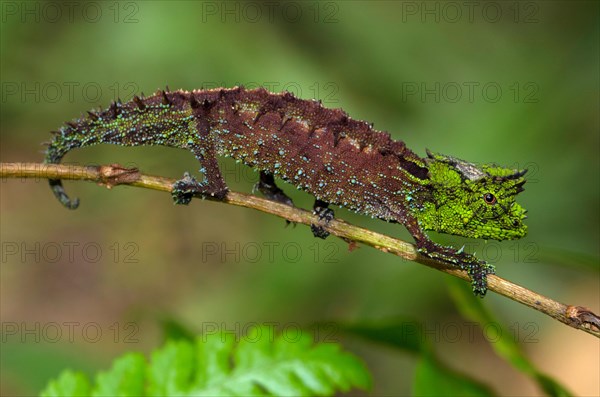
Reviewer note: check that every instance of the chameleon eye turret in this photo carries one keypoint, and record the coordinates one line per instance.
(489, 198)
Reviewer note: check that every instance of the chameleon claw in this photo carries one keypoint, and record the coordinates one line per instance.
(324, 214)
(185, 189)
(478, 274)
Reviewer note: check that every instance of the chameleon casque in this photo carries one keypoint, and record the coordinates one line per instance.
(323, 151)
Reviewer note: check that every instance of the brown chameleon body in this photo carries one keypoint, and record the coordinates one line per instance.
(337, 159)
(323, 151)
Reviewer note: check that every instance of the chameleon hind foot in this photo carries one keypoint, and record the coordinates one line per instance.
(475, 268)
(188, 187)
(322, 210)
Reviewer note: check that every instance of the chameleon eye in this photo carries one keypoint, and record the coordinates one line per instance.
(489, 198)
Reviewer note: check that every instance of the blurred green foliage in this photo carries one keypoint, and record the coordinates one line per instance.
(507, 82)
(259, 363)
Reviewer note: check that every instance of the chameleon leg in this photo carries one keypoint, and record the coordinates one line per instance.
(213, 184)
(266, 185)
(322, 210)
(475, 268)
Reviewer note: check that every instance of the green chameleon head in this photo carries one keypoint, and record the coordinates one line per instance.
(473, 201)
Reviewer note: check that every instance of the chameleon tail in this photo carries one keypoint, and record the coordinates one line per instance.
(161, 119)
(59, 193)
(56, 150)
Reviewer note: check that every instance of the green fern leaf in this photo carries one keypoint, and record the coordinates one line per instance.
(125, 378)
(264, 365)
(69, 383)
(260, 364)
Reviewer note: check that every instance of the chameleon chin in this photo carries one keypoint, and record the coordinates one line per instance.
(322, 151)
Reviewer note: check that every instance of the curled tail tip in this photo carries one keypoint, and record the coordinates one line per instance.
(62, 196)
(71, 204)
(67, 202)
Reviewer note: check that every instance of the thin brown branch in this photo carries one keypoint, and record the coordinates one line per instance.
(574, 316)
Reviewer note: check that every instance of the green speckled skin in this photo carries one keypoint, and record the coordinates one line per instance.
(323, 151)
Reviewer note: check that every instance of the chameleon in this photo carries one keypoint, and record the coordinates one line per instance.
(338, 160)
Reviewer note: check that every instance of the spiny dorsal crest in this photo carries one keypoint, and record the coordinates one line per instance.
(472, 172)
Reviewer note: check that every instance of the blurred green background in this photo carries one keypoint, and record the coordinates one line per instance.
(505, 82)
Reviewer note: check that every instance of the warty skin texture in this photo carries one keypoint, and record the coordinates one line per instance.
(338, 160)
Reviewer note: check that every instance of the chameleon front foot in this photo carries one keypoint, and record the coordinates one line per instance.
(188, 187)
(321, 209)
(478, 273)
(475, 268)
